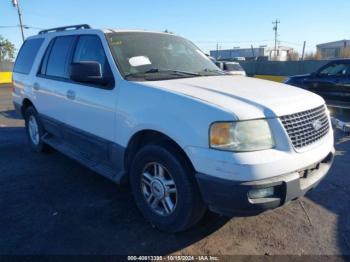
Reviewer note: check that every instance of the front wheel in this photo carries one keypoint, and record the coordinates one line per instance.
(165, 189)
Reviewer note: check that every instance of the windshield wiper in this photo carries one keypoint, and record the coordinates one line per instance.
(211, 71)
(152, 71)
(156, 70)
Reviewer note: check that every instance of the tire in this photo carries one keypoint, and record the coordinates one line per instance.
(32, 121)
(187, 205)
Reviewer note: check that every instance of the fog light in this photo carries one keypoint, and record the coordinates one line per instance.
(261, 193)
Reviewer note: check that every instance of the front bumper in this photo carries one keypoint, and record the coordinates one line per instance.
(229, 197)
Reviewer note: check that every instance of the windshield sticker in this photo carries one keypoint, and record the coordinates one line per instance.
(116, 42)
(139, 61)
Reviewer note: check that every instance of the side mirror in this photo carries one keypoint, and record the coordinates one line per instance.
(87, 72)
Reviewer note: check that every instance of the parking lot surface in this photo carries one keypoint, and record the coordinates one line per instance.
(49, 204)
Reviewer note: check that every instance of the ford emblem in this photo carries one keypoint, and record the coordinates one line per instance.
(317, 125)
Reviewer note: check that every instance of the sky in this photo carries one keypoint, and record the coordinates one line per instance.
(230, 23)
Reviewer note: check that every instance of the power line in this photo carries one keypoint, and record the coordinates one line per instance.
(8, 26)
(35, 28)
(24, 26)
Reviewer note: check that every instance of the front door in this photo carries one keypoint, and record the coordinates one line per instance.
(330, 81)
(91, 107)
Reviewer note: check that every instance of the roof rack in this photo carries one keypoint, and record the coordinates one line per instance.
(64, 28)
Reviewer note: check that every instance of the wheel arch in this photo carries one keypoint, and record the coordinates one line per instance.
(25, 104)
(148, 136)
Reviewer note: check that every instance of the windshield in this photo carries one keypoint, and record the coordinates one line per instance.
(153, 56)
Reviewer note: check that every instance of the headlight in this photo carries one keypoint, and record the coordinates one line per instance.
(241, 136)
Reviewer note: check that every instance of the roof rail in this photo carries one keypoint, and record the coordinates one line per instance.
(64, 28)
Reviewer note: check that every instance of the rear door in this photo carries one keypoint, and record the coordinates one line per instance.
(344, 82)
(51, 83)
(24, 69)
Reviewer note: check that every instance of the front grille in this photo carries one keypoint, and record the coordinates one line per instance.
(305, 128)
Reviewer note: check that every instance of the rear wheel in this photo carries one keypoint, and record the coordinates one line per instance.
(34, 130)
(165, 189)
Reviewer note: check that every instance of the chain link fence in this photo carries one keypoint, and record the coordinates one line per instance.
(6, 66)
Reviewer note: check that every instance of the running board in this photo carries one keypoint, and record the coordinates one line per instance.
(99, 167)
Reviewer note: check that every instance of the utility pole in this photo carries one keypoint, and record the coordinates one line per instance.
(303, 55)
(217, 51)
(252, 51)
(275, 28)
(16, 5)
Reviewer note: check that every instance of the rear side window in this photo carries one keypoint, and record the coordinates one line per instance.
(27, 55)
(60, 56)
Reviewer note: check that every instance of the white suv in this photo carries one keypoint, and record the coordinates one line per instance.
(152, 109)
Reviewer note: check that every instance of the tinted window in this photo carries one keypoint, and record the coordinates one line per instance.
(89, 48)
(43, 66)
(335, 70)
(57, 64)
(27, 55)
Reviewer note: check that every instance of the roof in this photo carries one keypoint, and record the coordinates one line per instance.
(343, 60)
(334, 43)
(85, 29)
(110, 30)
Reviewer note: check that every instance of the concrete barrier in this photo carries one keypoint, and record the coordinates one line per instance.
(279, 79)
(5, 77)
(6, 68)
(279, 68)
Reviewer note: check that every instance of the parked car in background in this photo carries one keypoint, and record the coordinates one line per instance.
(211, 58)
(232, 59)
(331, 81)
(152, 110)
(231, 68)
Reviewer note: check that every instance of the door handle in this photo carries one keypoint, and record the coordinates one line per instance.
(36, 86)
(70, 94)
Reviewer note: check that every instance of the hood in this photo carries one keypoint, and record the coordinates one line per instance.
(300, 76)
(244, 97)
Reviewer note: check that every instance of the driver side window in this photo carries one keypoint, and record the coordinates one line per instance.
(335, 70)
(89, 48)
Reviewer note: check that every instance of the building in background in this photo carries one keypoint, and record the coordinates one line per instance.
(259, 53)
(337, 49)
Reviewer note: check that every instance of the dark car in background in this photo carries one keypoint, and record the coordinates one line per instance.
(331, 81)
(231, 68)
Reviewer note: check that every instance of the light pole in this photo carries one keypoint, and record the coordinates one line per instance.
(15, 3)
